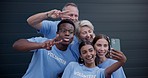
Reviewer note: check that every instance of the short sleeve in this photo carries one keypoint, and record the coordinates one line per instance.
(49, 28)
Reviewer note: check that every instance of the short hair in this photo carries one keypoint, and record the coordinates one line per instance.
(69, 4)
(83, 23)
(65, 21)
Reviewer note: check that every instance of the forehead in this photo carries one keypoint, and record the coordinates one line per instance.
(86, 47)
(67, 26)
(85, 28)
(102, 41)
(72, 9)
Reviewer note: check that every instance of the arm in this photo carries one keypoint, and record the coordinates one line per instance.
(121, 60)
(25, 45)
(36, 20)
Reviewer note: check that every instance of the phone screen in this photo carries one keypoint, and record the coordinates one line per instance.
(115, 43)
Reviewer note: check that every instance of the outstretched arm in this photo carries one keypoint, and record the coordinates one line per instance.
(121, 60)
(25, 45)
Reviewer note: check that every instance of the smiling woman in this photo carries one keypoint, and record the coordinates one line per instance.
(102, 45)
(87, 67)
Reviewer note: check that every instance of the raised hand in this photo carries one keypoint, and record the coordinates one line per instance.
(58, 14)
(118, 55)
(49, 43)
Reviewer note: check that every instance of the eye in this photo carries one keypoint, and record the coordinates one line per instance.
(76, 15)
(105, 45)
(83, 52)
(84, 33)
(90, 31)
(70, 14)
(63, 30)
(99, 45)
(71, 31)
(91, 50)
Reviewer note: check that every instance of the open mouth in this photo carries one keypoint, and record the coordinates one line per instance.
(66, 39)
(90, 58)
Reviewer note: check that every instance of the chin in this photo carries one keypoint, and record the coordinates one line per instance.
(65, 43)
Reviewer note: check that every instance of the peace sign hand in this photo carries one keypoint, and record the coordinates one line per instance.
(49, 43)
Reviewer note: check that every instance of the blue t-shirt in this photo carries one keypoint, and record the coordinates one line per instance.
(48, 63)
(75, 47)
(76, 70)
(118, 73)
(49, 29)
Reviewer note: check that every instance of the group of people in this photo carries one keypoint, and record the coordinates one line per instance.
(69, 48)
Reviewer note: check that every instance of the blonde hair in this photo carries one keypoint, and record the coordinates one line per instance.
(83, 23)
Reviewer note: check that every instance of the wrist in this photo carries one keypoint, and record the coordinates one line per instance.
(47, 14)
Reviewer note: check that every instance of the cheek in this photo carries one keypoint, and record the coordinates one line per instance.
(97, 48)
(106, 48)
(82, 36)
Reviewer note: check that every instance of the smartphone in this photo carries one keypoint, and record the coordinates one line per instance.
(115, 43)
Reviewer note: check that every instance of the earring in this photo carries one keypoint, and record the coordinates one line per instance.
(82, 60)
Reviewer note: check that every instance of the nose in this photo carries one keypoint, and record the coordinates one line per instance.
(88, 35)
(101, 48)
(88, 54)
(67, 32)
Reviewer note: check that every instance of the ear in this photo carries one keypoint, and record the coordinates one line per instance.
(81, 56)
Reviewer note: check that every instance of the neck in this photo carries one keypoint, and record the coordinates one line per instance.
(90, 65)
(61, 47)
(102, 59)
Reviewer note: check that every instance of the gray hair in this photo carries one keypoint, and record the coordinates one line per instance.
(83, 23)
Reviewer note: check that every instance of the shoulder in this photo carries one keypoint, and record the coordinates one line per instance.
(107, 63)
(73, 63)
(111, 60)
(47, 21)
(37, 39)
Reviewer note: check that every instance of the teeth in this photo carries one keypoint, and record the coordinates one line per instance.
(89, 58)
(66, 39)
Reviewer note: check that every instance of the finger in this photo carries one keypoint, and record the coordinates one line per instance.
(119, 54)
(48, 48)
(56, 38)
(113, 49)
(57, 13)
(65, 16)
(116, 55)
(57, 42)
(65, 12)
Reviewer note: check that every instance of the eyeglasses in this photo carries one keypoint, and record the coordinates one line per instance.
(64, 31)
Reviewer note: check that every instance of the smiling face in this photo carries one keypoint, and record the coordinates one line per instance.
(101, 47)
(86, 34)
(66, 33)
(73, 13)
(88, 54)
